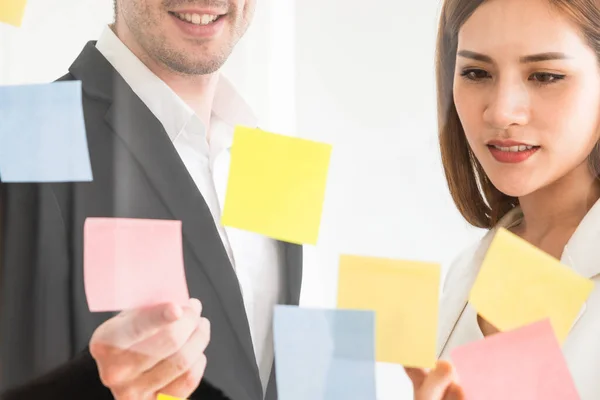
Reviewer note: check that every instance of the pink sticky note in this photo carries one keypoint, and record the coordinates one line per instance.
(132, 263)
(522, 364)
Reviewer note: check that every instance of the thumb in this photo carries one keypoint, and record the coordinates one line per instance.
(416, 375)
(454, 392)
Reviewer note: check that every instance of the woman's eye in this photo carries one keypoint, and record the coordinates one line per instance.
(475, 74)
(545, 77)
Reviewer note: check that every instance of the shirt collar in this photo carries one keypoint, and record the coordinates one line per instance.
(229, 109)
(173, 113)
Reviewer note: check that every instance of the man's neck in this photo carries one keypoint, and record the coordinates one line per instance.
(197, 91)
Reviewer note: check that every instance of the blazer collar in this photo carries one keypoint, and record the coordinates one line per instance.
(582, 254)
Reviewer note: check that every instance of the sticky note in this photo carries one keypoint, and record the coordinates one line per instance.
(519, 284)
(132, 263)
(404, 296)
(12, 11)
(522, 364)
(276, 185)
(324, 354)
(42, 134)
(167, 397)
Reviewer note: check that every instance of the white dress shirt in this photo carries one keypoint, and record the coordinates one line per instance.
(257, 260)
(458, 324)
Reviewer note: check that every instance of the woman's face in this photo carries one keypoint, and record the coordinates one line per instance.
(527, 91)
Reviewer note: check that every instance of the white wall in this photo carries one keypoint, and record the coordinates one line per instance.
(51, 36)
(263, 65)
(355, 74)
(365, 83)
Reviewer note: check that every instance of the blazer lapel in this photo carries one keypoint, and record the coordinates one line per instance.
(582, 252)
(293, 272)
(146, 139)
(460, 281)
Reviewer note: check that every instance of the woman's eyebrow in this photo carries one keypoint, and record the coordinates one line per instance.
(544, 57)
(475, 56)
(532, 58)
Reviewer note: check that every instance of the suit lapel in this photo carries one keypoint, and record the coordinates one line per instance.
(293, 272)
(582, 252)
(146, 139)
(459, 283)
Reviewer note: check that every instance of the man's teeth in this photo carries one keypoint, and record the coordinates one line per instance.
(514, 149)
(197, 19)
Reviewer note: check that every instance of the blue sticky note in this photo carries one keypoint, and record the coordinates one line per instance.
(324, 354)
(42, 134)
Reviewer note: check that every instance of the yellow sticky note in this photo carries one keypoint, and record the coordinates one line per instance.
(12, 11)
(404, 296)
(167, 397)
(519, 284)
(276, 185)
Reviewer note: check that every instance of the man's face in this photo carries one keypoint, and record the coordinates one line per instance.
(186, 36)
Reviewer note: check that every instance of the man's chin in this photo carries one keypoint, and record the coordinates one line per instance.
(186, 65)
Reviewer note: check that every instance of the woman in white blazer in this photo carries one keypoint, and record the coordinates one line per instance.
(519, 126)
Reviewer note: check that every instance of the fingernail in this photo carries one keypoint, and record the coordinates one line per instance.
(196, 305)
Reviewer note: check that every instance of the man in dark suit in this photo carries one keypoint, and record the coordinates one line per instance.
(159, 120)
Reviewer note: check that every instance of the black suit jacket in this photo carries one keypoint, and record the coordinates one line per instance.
(137, 174)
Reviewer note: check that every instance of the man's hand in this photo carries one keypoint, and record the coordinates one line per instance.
(142, 353)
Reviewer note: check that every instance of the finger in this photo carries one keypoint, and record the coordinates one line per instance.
(177, 365)
(133, 326)
(417, 376)
(454, 392)
(143, 356)
(186, 384)
(437, 381)
(146, 325)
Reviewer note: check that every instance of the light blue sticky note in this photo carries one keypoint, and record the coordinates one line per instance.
(324, 354)
(42, 134)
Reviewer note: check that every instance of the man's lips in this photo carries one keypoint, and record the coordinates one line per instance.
(196, 18)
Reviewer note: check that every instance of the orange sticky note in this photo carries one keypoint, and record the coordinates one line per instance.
(132, 263)
(167, 397)
(519, 284)
(404, 296)
(276, 185)
(12, 11)
(523, 364)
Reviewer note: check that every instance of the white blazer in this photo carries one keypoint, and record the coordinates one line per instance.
(582, 254)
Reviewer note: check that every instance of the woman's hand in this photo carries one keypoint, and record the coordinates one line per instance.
(437, 384)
